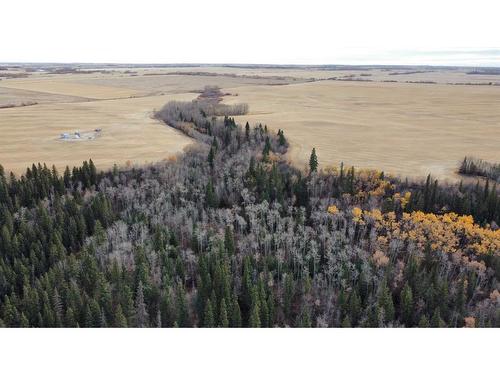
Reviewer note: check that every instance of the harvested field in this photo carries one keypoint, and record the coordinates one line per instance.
(16, 97)
(404, 129)
(178, 83)
(67, 87)
(377, 74)
(31, 134)
(409, 129)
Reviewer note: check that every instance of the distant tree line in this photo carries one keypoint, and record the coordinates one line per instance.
(477, 167)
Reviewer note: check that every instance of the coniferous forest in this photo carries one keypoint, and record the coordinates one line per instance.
(231, 234)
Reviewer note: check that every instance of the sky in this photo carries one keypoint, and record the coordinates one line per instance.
(423, 32)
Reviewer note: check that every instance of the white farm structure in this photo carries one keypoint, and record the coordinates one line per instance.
(80, 136)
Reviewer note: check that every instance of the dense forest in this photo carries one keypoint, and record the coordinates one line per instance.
(230, 234)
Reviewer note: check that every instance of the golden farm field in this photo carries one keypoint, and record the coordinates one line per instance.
(120, 104)
(30, 134)
(60, 86)
(404, 129)
(409, 129)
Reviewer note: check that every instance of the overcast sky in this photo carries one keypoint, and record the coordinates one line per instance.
(256, 31)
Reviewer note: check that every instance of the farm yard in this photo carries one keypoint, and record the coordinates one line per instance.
(385, 118)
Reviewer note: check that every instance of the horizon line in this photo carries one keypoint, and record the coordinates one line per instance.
(228, 64)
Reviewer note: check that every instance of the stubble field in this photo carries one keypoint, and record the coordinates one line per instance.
(129, 133)
(409, 129)
(404, 129)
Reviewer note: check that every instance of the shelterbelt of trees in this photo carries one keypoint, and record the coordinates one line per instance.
(230, 234)
(476, 167)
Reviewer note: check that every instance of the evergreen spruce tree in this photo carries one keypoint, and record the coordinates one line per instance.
(436, 321)
(128, 303)
(247, 285)
(271, 308)
(24, 323)
(119, 319)
(182, 307)
(223, 319)
(247, 131)
(346, 322)
(443, 297)
(69, 319)
(94, 314)
(211, 157)
(313, 162)
(103, 321)
(266, 150)
(305, 319)
(254, 321)
(264, 313)
(424, 322)
(289, 291)
(354, 308)
(208, 317)
(461, 298)
(235, 313)
(229, 241)
(167, 309)
(92, 172)
(281, 138)
(407, 305)
(210, 196)
(385, 302)
(141, 314)
(67, 178)
(351, 181)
